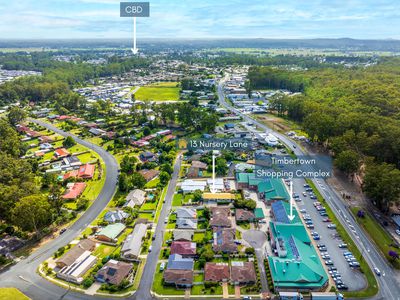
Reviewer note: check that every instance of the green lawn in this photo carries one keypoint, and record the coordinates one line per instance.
(372, 287)
(381, 238)
(148, 206)
(177, 200)
(152, 183)
(159, 92)
(11, 294)
(160, 289)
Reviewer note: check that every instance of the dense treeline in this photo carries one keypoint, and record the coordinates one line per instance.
(355, 113)
(261, 77)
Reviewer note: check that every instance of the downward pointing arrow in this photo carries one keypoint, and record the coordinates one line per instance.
(134, 50)
(291, 216)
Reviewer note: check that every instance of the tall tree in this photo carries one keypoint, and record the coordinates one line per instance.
(32, 213)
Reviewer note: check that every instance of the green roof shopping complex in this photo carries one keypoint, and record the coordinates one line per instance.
(296, 264)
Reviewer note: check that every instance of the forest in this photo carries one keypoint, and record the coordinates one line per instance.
(353, 112)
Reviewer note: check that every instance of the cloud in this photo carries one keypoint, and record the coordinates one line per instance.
(205, 18)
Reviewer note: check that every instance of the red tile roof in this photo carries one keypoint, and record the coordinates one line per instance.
(86, 171)
(61, 152)
(183, 248)
(72, 174)
(75, 191)
(243, 272)
(216, 272)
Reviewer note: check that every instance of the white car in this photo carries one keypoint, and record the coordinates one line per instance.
(377, 272)
(398, 231)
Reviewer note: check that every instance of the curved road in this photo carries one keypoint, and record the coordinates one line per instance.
(23, 274)
(390, 281)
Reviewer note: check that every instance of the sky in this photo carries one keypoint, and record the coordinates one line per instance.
(360, 19)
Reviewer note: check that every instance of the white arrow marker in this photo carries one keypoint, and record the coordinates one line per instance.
(135, 50)
(291, 216)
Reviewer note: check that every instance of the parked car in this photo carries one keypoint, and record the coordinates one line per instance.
(162, 266)
(323, 249)
(329, 262)
(332, 226)
(343, 245)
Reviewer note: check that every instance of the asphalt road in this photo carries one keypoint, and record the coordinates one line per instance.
(389, 282)
(143, 292)
(352, 278)
(23, 274)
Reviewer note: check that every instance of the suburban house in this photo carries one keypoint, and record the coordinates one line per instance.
(85, 172)
(70, 162)
(74, 190)
(186, 249)
(224, 240)
(78, 268)
(220, 217)
(95, 131)
(113, 272)
(189, 186)
(244, 215)
(115, 216)
(77, 261)
(178, 278)
(183, 235)
(110, 233)
(135, 198)
(218, 197)
(186, 223)
(177, 262)
(61, 152)
(216, 272)
(186, 213)
(243, 273)
(149, 174)
(147, 157)
(9, 244)
(196, 169)
(68, 258)
(133, 243)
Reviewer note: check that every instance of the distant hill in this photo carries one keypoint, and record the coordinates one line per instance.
(341, 44)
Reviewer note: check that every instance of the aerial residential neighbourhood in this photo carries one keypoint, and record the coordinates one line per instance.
(199, 150)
